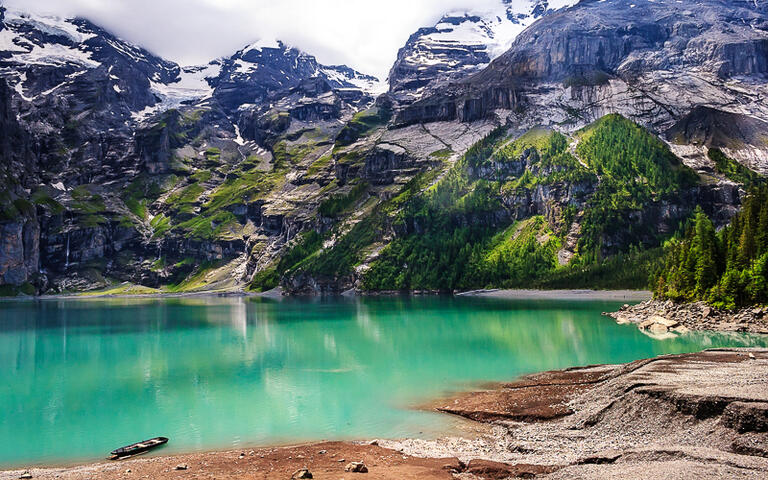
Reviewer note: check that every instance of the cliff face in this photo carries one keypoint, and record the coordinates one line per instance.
(19, 230)
(623, 37)
(653, 62)
(19, 251)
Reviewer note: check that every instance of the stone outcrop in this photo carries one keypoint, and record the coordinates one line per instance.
(661, 317)
(356, 467)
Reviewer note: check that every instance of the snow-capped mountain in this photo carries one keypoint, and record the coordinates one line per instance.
(43, 55)
(461, 43)
(256, 72)
(264, 68)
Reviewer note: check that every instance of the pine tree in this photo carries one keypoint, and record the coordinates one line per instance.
(727, 268)
(704, 252)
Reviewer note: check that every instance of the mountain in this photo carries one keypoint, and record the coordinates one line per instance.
(652, 61)
(104, 121)
(45, 55)
(252, 74)
(551, 144)
(462, 43)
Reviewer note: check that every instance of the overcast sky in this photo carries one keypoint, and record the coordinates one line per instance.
(364, 34)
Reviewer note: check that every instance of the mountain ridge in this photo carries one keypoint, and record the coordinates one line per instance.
(267, 168)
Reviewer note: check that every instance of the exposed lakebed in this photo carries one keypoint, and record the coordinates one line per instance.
(81, 377)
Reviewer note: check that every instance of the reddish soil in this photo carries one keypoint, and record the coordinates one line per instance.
(538, 397)
(264, 463)
(545, 396)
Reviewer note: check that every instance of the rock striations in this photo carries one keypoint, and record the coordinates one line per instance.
(700, 415)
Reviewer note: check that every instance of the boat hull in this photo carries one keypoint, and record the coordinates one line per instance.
(138, 448)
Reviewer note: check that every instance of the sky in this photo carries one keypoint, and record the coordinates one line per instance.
(364, 34)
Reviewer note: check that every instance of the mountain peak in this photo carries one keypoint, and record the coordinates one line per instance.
(462, 42)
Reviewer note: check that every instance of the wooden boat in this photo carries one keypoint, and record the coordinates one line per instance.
(137, 448)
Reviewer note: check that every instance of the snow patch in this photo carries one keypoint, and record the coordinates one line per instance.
(193, 81)
(493, 33)
(19, 87)
(55, 55)
(6, 42)
(370, 85)
(239, 138)
(191, 85)
(244, 68)
(262, 44)
(49, 25)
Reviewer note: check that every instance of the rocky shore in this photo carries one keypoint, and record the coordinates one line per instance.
(693, 416)
(662, 317)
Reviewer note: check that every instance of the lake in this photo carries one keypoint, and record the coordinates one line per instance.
(81, 377)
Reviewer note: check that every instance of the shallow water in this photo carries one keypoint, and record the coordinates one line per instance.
(81, 377)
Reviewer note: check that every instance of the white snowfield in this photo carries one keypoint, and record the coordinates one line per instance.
(493, 33)
(368, 85)
(26, 52)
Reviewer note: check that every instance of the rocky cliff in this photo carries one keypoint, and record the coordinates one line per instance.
(652, 61)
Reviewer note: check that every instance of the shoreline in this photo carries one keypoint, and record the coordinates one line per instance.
(277, 293)
(568, 294)
(704, 413)
(663, 318)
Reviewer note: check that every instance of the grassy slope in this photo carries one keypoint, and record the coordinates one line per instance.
(449, 236)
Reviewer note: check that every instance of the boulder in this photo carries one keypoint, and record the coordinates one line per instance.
(658, 324)
(658, 328)
(645, 324)
(622, 319)
(664, 321)
(681, 329)
(301, 473)
(356, 467)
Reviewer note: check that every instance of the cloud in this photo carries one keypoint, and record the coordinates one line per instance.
(364, 34)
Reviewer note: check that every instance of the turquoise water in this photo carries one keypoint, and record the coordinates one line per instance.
(81, 377)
